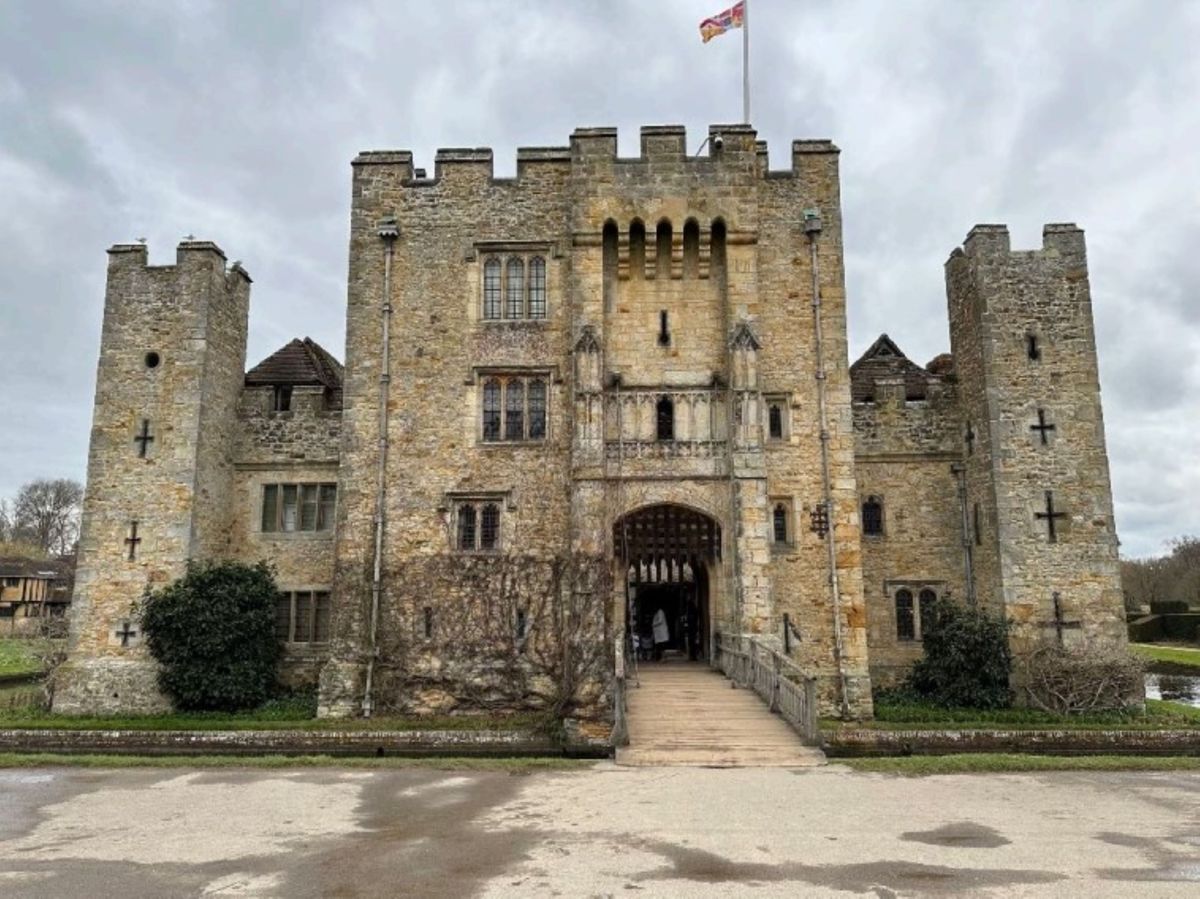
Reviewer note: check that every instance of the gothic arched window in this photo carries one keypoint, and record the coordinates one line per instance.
(779, 523)
(514, 410)
(515, 306)
(872, 516)
(537, 410)
(491, 288)
(925, 600)
(489, 527)
(906, 628)
(466, 527)
(491, 409)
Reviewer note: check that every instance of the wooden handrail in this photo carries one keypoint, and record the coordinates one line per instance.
(782, 684)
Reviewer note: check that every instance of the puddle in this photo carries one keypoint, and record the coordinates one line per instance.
(964, 834)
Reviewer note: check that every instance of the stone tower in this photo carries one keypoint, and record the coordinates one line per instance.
(1044, 542)
(172, 357)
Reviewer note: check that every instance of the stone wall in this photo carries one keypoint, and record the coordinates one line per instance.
(905, 450)
(441, 350)
(300, 446)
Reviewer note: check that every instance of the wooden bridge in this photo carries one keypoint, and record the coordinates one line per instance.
(686, 713)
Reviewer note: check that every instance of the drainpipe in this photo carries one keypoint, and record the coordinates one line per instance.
(388, 232)
(812, 227)
(960, 473)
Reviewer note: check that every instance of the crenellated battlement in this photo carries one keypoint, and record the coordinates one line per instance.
(591, 149)
(127, 257)
(994, 241)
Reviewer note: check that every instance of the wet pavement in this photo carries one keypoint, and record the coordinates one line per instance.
(598, 831)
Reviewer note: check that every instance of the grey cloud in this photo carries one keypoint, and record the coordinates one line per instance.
(237, 122)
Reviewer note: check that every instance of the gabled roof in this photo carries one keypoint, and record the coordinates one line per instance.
(884, 359)
(299, 362)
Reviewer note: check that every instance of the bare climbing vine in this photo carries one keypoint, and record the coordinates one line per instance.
(507, 632)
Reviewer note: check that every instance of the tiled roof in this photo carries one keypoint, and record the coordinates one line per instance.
(299, 362)
(19, 566)
(885, 360)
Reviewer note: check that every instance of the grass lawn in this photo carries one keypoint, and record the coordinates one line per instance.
(1159, 715)
(281, 715)
(987, 762)
(511, 765)
(1175, 655)
(21, 657)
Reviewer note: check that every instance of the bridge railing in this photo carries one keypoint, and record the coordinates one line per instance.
(620, 731)
(779, 682)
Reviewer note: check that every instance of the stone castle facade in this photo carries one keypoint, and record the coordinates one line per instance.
(572, 398)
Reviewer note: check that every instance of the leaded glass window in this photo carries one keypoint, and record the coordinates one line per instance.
(872, 516)
(779, 523)
(491, 409)
(491, 289)
(489, 527)
(906, 628)
(537, 410)
(514, 410)
(925, 601)
(466, 527)
(515, 289)
(537, 287)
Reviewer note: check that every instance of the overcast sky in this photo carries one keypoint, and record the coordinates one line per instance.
(236, 122)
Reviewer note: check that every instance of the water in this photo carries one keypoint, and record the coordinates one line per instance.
(1181, 688)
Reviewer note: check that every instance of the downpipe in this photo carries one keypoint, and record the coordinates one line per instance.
(388, 232)
(812, 227)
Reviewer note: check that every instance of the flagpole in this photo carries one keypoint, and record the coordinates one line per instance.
(746, 62)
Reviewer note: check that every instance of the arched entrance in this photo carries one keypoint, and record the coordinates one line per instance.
(667, 554)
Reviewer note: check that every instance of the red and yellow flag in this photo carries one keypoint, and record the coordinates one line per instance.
(734, 17)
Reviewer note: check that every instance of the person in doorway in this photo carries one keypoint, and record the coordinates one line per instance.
(662, 634)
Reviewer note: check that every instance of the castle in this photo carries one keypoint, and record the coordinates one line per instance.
(602, 389)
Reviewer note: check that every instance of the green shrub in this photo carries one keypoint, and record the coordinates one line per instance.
(213, 635)
(967, 660)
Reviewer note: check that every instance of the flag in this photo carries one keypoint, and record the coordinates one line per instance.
(734, 17)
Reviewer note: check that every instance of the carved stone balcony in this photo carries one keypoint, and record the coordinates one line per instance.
(657, 432)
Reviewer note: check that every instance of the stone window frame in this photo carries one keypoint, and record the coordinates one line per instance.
(324, 516)
(916, 590)
(881, 531)
(478, 503)
(503, 261)
(318, 629)
(528, 377)
(782, 401)
(773, 506)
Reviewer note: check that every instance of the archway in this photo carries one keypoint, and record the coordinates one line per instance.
(667, 553)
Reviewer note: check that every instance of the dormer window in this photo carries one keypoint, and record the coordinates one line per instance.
(281, 398)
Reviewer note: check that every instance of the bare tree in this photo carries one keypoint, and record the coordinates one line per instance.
(6, 521)
(1174, 577)
(46, 514)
